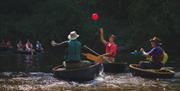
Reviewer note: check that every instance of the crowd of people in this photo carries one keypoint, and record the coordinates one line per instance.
(5, 44)
(23, 47)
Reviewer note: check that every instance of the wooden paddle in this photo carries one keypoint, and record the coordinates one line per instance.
(93, 57)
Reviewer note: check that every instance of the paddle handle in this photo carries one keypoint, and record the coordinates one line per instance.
(91, 50)
(96, 53)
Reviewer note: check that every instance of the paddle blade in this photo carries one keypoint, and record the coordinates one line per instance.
(92, 57)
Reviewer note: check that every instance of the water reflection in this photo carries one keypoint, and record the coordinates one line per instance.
(19, 62)
(32, 72)
(28, 63)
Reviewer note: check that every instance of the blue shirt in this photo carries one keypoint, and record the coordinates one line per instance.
(156, 53)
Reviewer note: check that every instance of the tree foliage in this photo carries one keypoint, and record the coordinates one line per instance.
(134, 22)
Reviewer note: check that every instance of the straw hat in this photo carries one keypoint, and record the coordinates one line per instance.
(73, 35)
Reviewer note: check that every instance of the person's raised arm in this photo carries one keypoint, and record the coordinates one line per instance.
(102, 36)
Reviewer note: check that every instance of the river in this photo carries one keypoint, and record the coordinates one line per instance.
(33, 73)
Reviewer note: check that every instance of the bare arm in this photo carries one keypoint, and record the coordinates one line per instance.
(144, 53)
(102, 36)
(53, 43)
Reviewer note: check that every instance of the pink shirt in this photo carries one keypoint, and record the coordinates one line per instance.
(111, 48)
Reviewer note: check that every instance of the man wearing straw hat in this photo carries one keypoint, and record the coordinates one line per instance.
(73, 50)
(156, 55)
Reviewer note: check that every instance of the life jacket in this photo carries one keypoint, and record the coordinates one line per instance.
(165, 57)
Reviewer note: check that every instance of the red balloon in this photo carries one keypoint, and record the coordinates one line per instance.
(95, 16)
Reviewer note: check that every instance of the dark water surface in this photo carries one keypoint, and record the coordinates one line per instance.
(33, 73)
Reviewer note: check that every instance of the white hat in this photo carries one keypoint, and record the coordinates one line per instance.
(73, 35)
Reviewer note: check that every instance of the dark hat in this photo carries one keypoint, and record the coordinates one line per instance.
(155, 39)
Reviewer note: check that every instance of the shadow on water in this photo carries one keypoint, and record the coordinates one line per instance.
(27, 72)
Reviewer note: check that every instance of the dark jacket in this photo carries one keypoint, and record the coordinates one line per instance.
(73, 51)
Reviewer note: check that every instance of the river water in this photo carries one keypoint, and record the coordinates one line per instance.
(33, 73)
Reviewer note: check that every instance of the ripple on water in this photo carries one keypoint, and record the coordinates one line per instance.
(45, 81)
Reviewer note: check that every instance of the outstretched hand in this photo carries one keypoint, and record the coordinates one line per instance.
(142, 49)
(53, 43)
(102, 35)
